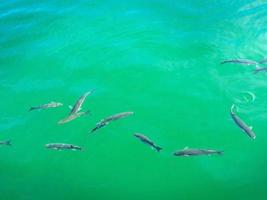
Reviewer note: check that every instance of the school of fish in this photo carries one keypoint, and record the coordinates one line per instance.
(77, 107)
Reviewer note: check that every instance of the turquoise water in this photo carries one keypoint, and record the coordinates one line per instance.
(160, 59)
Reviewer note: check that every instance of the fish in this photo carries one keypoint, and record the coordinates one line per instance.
(240, 61)
(78, 105)
(116, 117)
(259, 69)
(241, 124)
(196, 152)
(61, 146)
(7, 142)
(45, 106)
(147, 141)
(107, 120)
(72, 117)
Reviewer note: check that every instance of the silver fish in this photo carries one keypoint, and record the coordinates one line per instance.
(7, 142)
(196, 152)
(240, 61)
(241, 124)
(78, 105)
(45, 106)
(72, 117)
(59, 146)
(147, 141)
(106, 121)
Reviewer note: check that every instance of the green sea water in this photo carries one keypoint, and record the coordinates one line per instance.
(159, 59)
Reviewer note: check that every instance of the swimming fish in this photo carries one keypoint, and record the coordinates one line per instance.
(59, 146)
(147, 141)
(72, 117)
(45, 106)
(240, 61)
(7, 142)
(196, 152)
(106, 121)
(241, 124)
(78, 105)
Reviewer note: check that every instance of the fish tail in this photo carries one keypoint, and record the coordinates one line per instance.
(98, 126)
(262, 61)
(77, 148)
(8, 142)
(32, 108)
(94, 129)
(232, 108)
(61, 121)
(158, 148)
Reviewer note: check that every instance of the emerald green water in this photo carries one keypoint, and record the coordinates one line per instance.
(160, 59)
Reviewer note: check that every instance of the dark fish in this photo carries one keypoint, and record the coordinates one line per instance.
(146, 140)
(7, 142)
(45, 106)
(72, 117)
(78, 105)
(106, 121)
(240, 61)
(59, 146)
(196, 152)
(260, 69)
(241, 124)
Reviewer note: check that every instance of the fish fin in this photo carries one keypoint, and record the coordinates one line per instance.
(250, 127)
(70, 107)
(219, 152)
(8, 142)
(186, 148)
